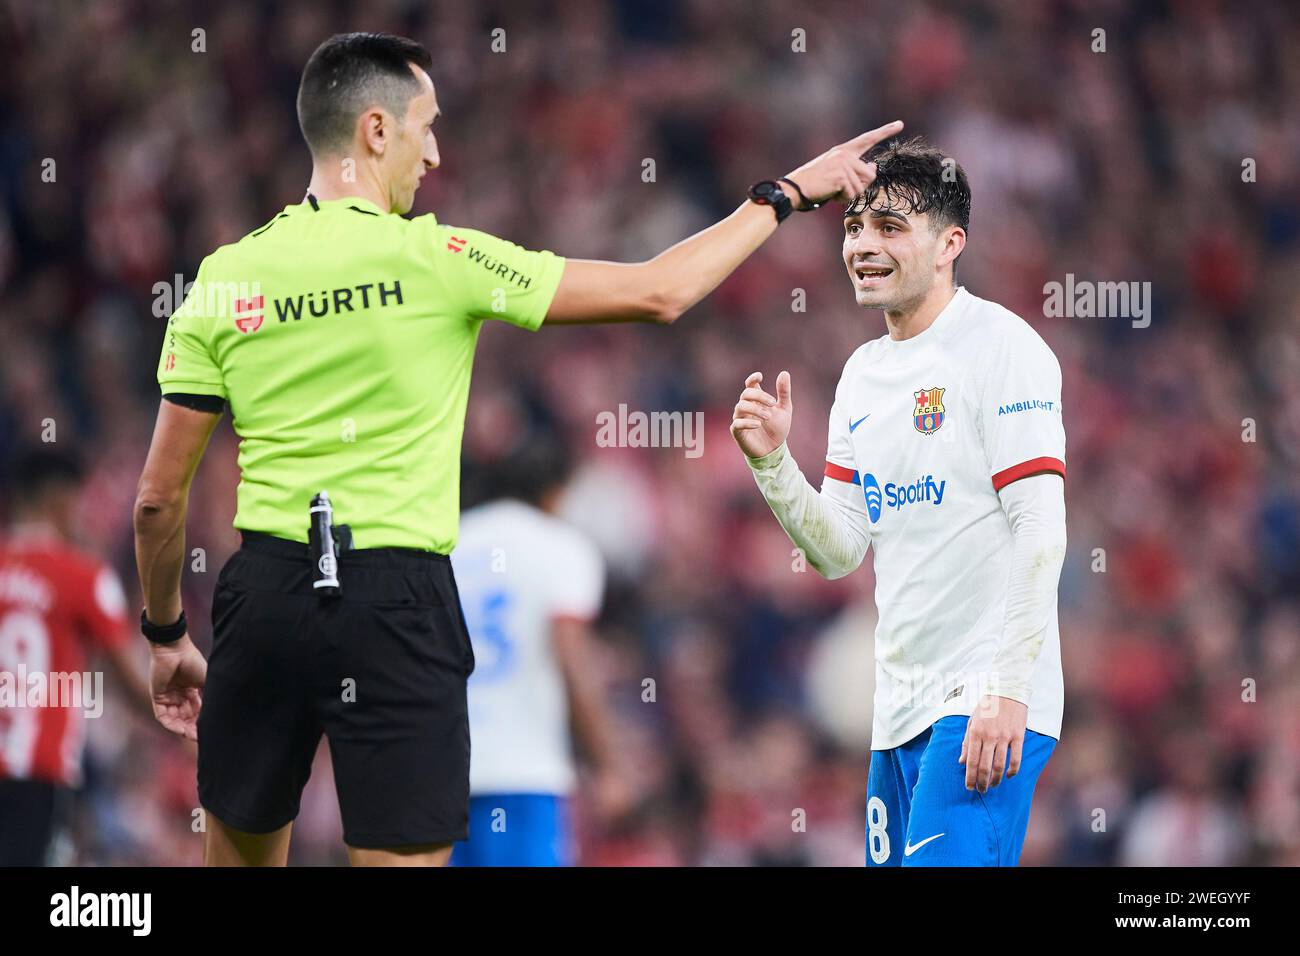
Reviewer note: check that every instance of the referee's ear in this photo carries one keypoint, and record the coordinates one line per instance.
(376, 128)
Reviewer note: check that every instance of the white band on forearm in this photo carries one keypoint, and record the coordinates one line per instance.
(1035, 509)
(823, 525)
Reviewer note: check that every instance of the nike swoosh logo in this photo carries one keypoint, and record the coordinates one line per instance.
(911, 848)
(854, 425)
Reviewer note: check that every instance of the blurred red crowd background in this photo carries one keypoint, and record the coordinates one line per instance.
(1123, 165)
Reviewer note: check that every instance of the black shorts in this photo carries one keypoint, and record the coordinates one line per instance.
(31, 812)
(380, 671)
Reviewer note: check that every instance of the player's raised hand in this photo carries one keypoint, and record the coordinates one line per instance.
(841, 173)
(176, 676)
(760, 422)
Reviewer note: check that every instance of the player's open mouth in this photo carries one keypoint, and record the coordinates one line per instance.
(872, 274)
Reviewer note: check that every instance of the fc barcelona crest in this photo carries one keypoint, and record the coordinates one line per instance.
(928, 414)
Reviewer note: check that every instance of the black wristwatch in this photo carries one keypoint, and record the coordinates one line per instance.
(163, 633)
(770, 193)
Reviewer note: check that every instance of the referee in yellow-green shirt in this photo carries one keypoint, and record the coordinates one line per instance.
(342, 337)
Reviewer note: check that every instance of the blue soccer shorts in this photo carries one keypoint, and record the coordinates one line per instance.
(919, 812)
(516, 829)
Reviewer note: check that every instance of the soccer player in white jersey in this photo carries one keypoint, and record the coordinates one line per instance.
(947, 457)
(531, 585)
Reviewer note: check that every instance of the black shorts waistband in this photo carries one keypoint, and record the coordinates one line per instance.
(263, 543)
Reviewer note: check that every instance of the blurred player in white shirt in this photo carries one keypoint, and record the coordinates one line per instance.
(946, 456)
(531, 587)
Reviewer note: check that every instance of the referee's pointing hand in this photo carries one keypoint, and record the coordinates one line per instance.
(841, 173)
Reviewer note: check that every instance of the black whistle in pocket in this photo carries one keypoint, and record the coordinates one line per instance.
(324, 553)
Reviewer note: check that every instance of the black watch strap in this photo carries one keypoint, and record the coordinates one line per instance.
(769, 193)
(807, 206)
(163, 633)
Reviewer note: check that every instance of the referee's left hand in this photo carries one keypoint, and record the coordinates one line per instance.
(176, 675)
(995, 737)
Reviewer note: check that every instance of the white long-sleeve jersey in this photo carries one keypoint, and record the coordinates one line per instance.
(946, 456)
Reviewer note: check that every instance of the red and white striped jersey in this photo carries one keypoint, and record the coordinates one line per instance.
(56, 603)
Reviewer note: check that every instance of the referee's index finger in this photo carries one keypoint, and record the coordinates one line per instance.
(754, 379)
(865, 141)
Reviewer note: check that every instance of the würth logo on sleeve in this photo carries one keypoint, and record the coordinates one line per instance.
(248, 314)
(456, 243)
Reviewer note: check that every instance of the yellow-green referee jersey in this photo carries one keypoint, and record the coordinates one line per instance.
(343, 338)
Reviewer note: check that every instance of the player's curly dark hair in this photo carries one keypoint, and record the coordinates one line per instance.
(916, 177)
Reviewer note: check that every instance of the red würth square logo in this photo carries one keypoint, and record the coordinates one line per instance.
(248, 314)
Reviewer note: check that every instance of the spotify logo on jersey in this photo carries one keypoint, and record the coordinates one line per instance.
(896, 497)
(871, 488)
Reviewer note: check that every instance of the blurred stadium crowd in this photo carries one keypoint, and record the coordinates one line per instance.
(1118, 165)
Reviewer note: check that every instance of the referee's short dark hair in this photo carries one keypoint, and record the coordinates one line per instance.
(350, 72)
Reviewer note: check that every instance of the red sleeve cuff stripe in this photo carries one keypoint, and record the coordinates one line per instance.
(840, 473)
(1026, 468)
(568, 618)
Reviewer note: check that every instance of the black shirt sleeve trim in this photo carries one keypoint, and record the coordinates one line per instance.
(269, 224)
(200, 403)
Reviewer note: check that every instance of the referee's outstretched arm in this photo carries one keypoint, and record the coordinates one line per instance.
(663, 288)
(360, 149)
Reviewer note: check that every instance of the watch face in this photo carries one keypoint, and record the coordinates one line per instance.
(762, 192)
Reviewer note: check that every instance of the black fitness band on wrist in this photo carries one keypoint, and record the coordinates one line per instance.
(769, 193)
(162, 633)
(808, 206)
